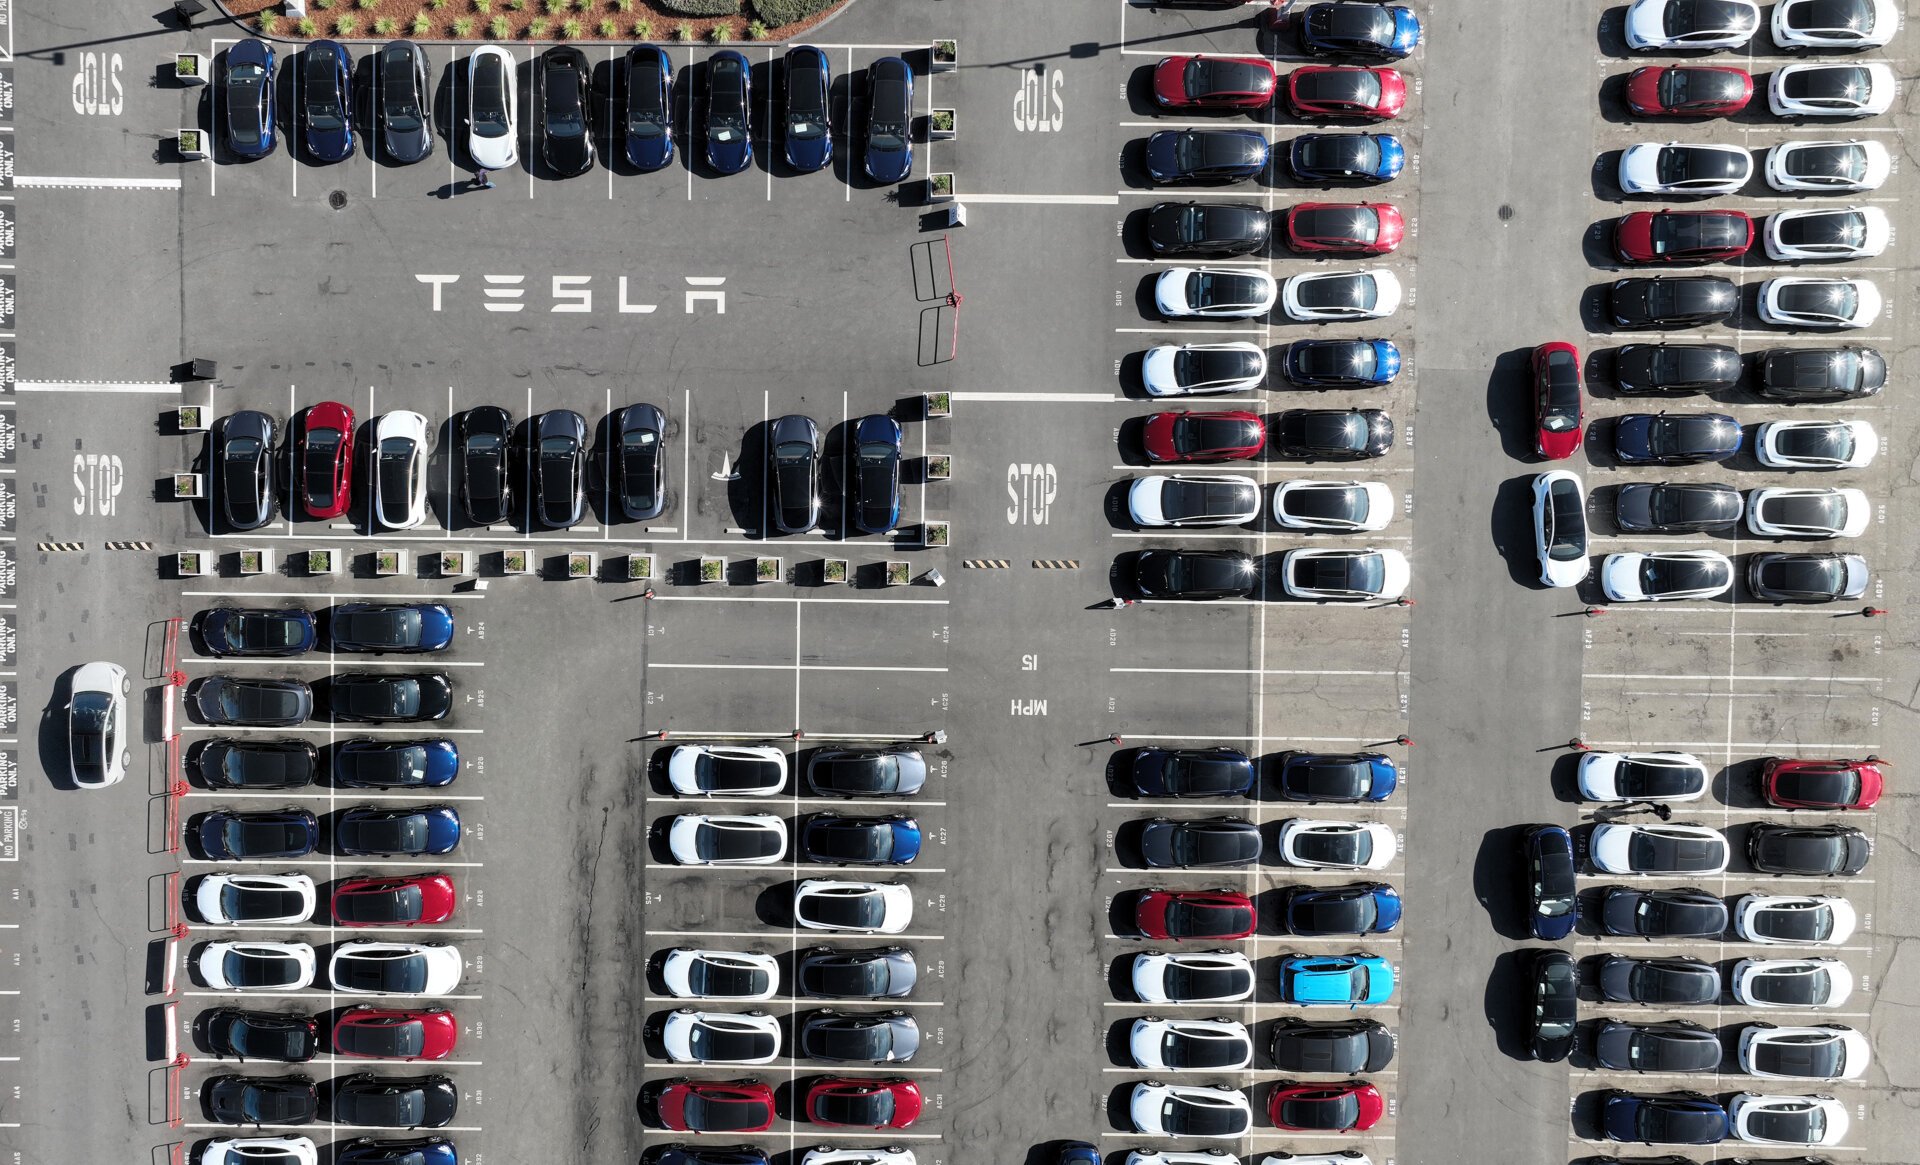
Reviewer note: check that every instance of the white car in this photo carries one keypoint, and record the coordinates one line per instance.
(1221, 293)
(1848, 232)
(1641, 776)
(1144, 1156)
(1661, 850)
(1673, 24)
(1192, 977)
(1337, 845)
(701, 974)
(1784, 512)
(366, 967)
(1829, 1052)
(1344, 506)
(287, 1150)
(1684, 168)
(97, 725)
(1819, 90)
(1809, 301)
(493, 129)
(1560, 528)
(257, 965)
(828, 1155)
(1835, 24)
(720, 1037)
(1190, 1045)
(1344, 575)
(727, 770)
(1665, 576)
(1190, 1111)
(1799, 920)
(1343, 1157)
(860, 907)
(400, 470)
(1791, 982)
(1319, 297)
(254, 899)
(1828, 167)
(1193, 499)
(1760, 1119)
(1203, 369)
(710, 839)
(1815, 444)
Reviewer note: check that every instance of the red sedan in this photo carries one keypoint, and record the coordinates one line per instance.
(1682, 236)
(1345, 228)
(1193, 914)
(385, 1033)
(1350, 1106)
(1557, 407)
(1184, 436)
(716, 1106)
(891, 1102)
(1213, 83)
(1346, 91)
(1688, 91)
(1822, 784)
(416, 900)
(324, 459)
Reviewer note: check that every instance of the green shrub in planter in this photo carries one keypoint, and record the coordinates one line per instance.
(583, 5)
(943, 120)
(572, 29)
(721, 32)
(701, 7)
(779, 12)
(365, 4)
(537, 28)
(514, 561)
(483, 6)
(609, 29)
(621, 5)
(643, 29)
(307, 27)
(268, 23)
(683, 32)
(422, 24)
(516, 5)
(899, 574)
(463, 27)
(834, 570)
(712, 569)
(555, 7)
(500, 28)
(385, 26)
(323, 5)
(346, 26)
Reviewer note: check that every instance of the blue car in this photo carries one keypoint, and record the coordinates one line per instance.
(1675, 438)
(729, 97)
(1373, 32)
(1343, 980)
(405, 831)
(245, 110)
(1077, 1153)
(415, 1151)
(326, 92)
(889, 112)
(272, 834)
(1346, 157)
(649, 92)
(1337, 777)
(1192, 772)
(406, 628)
(809, 125)
(839, 839)
(1662, 1118)
(1342, 363)
(271, 631)
(1205, 155)
(876, 474)
(1553, 900)
(1358, 908)
(367, 763)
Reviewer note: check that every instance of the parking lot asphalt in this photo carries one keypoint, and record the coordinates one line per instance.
(727, 302)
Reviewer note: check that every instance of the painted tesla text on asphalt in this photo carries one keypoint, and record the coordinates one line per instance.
(1032, 487)
(1039, 89)
(571, 293)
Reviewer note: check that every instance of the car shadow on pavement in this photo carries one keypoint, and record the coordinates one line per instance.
(1498, 881)
(1508, 1004)
(1509, 402)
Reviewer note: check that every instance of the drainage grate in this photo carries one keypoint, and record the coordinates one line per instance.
(1506, 212)
(337, 200)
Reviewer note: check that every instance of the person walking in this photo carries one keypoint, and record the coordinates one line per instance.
(482, 180)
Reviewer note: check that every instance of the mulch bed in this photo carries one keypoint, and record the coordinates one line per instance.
(663, 24)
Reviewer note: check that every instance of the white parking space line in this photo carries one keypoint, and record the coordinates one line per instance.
(797, 867)
(407, 862)
(814, 734)
(1245, 535)
(296, 661)
(800, 802)
(329, 1126)
(1246, 671)
(49, 182)
(789, 666)
(328, 926)
(343, 1061)
(1237, 739)
(237, 996)
(1763, 746)
(761, 934)
(788, 1064)
(327, 597)
(316, 726)
(327, 792)
(1605, 675)
(800, 1004)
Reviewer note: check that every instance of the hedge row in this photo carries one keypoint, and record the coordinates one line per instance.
(782, 12)
(702, 7)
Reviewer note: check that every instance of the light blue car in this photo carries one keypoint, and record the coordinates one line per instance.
(1343, 980)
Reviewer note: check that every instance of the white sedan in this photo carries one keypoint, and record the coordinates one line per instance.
(1641, 776)
(720, 1037)
(1343, 1157)
(1665, 576)
(1344, 575)
(400, 470)
(727, 770)
(1203, 369)
(1816, 90)
(1809, 301)
(1337, 845)
(1828, 167)
(1193, 1157)
(870, 907)
(1232, 293)
(1200, 1112)
(1815, 444)
(1799, 920)
(97, 725)
(1341, 295)
(1660, 850)
(257, 965)
(1832, 1052)
(1784, 512)
(1190, 1045)
(1823, 982)
(1849, 232)
(1835, 24)
(1684, 168)
(1560, 528)
(254, 899)
(1183, 499)
(1344, 506)
(1192, 977)
(711, 839)
(367, 967)
(492, 109)
(1755, 1117)
(829, 1155)
(1680, 24)
(702, 974)
(287, 1150)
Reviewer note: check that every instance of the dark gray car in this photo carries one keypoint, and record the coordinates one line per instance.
(636, 465)
(559, 467)
(1672, 981)
(245, 472)
(1211, 842)
(887, 1037)
(793, 474)
(862, 973)
(1675, 1045)
(1346, 1046)
(1817, 374)
(486, 491)
(404, 99)
(252, 702)
(1683, 913)
(395, 1102)
(896, 771)
(1677, 507)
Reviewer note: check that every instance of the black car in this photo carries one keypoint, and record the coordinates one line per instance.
(1333, 434)
(366, 763)
(793, 471)
(379, 628)
(1345, 157)
(729, 97)
(892, 771)
(1194, 574)
(245, 476)
(417, 1151)
(1675, 368)
(486, 490)
(809, 123)
(394, 1102)
(856, 973)
(404, 97)
(1356, 908)
(251, 702)
(1663, 1118)
(565, 82)
(1372, 32)
(1345, 1047)
(649, 113)
(1820, 374)
(244, 763)
(1340, 778)
(1341, 363)
(1783, 577)
(1205, 155)
(227, 835)
(1672, 981)
(1556, 996)
(680, 1153)
(1207, 228)
(1209, 842)
(875, 473)
(889, 110)
(843, 839)
(1674, 1045)
(396, 831)
(326, 85)
(876, 1037)
(1675, 438)
(390, 697)
(1809, 851)
(1684, 913)
(1672, 301)
(636, 467)
(261, 1035)
(1677, 507)
(246, 83)
(1193, 772)
(560, 467)
(1552, 898)
(257, 631)
(261, 1100)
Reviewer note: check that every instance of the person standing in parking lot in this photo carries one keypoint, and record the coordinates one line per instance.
(482, 180)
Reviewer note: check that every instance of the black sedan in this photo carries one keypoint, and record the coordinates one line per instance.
(1782, 577)
(1333, 434)
(413, 1151)
(257, 631)
(1673, 981)
(636, 467)
(1210, 842)
(1684, 913)
(565, 144)
(729, 142)
(245, 475)
(793, 471)
(261, 1035)
(326, 89)
(856, 973)
(486, 491)
(649, 109)
(875, 474)
(1345, 157)
(230, 836)
(1345, 1047)
(1357, 908)
(250, 702)
(1192, 772)
(1821, 374)
(1371, 32)
(893, 771)
(378, 628)
(1205, 155)
(1556, 993)
(1207, 228)
(1672, 301)
(560, 465)
(1674, 1045)
(246, 100)
(1664, 1118)
(889, 111)
(390, 697)
(1808, 851)
(1341, 363)
(394, 1102)
(1194, 574)
(1674, 438)
(808, 83)
(402, 831)
(245, 763)
(846, 840)
(404, 97)
(1675, 368)
(869, 1038)
(1677, 507)
(1340, 778)
(261, 1100)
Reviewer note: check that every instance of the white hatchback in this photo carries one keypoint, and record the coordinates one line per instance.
(97, 755)
(1337, 845)
(493, 127)
(1815, 444)
(400, 470)
(257, 965)
(727, 770)
(254, 899)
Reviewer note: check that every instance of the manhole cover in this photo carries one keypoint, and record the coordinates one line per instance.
(338, 201)
(1506, 212)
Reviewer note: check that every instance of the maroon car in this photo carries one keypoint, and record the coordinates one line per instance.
(1682, 236)
(1213, 83)
(1688, 91)
(1194, 914)
(1346, 91)
(715, 1106)
(324, 459)
(1222, 436)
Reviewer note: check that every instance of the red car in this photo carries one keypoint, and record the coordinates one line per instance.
(1349, 1106)
(1193, 914)
(324, 457)
(890, 1102)
(1184, 436)
(1822, 784)
(416, 900)
(715, 1106)
(1556, 400)
(1346, 91)
(1688, 91)
(1682, 236)
(1213, 83)
(385, 1033)
(1345, 228)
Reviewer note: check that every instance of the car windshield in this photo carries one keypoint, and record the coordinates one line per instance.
(1668, 916)
(837, 976)
(1217, 289)
(1635, 780)
(1684, 165)
(404, 765)
(1829, 16)
(1816, 1055)
(1346, 503)
(1664, 576)
(1793, 986)
(1806, 511)
(1180, 500)
(1200, 434)
(1787, 1123)
(704, 1112)
(242, 451)
(1671, 436)
(1833, 86)
(1560, 393)
(385, 696)
(391, 835)
(323, 93)
(1356, 87)
(1652, 983)
(1554, 995)
(1185, 981)
(639, 454)
(1678, 87)
(259, 902)
(851, 1038)
(1568, 532)
(1345, 292)
(870, 1110)
(1841, 230)
(253, 702)
(1688, 233)
(1815, 442)
(1839, 785)
(1357, 224)
(388, 904)
(1333, 777)
(565, 118)
(806, 117)
(1348, 573)
(406, 973)
(1324, 1112)
(393, 627)
(1199, 918)
(1832, 298)
(246, 85)
(89, 720)
(860, 911)
(272, 1039)
(1202, 366)
(1365, 23)
(322, 456)
(1806, 851)
(400, 102)
(1685, 16)
(1196, 844)
(716, 843)
(1187, 1119)
(1674, 506)
(852, 841)
(1647, 850)
(401, 1039)
(1349, 847)
(1840, 165)
(1333, 430)
(1187, 774)
(258, 968)
(715, 1043)
(1338, 361)
(1355, 153)
(712, 977)
(1210, 1051)
(396, 469)
(490, 98)
(243, 837)
(1555, 888)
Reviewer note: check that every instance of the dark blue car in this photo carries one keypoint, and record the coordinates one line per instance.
(680, 1153)
(1346, 157)
(1675, 438)
(392, 627)
(840, 839)
(245, 110)
(1552, 898)
(1374, 32)
(405, 831)
(1077, 1153)
(1662, 1118)
(729, 97)
(1358, 908)
(876, 474)
(1337, 777)
(257, 631)
(1192, 772)
(809, 126)
(272, 834)
(326, 91)
(379, 1151)
(367, 763)
(649, 91)
(1205, 155)
(889, 113)
(1342, 363)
